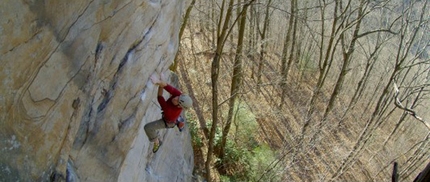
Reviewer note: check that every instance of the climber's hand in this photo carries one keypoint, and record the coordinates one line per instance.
(163, 77)
(155, 79)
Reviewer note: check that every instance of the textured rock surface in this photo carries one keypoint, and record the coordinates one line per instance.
(75, 91)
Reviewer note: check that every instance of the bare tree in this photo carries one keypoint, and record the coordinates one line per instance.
(379, 114)
(325, 59)
(263, 45)
(357, 51)
(221, 36)
(348, 49)
(291, 35)
(235, 82)
(174, 66)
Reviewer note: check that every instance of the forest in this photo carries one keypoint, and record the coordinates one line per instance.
(310, 90)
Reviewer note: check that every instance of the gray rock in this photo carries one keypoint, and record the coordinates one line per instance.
(75, 91)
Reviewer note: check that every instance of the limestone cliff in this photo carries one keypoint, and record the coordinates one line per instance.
(75, 90)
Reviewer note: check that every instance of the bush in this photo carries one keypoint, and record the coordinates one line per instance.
(244, 127)
(262, 160)
(194, 131)
(246, 159)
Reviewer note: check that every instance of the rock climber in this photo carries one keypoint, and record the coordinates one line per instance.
(171, 110)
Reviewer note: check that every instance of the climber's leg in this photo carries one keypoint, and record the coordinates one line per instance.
(152, 128)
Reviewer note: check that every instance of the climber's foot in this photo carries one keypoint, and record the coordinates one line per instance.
(157, 146)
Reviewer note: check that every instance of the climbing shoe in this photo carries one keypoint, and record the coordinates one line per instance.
(157, 146)
(180, 125)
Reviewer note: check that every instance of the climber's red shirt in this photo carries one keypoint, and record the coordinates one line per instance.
(171, 112)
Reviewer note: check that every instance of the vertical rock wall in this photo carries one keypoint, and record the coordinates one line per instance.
(75, 90)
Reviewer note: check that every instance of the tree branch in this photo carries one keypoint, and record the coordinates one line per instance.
(376, 31)
(407, 110)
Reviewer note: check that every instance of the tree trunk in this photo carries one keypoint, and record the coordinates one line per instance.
(286, 69)
(382, 104)
(263, 45)
(347, 54)
(358, 91)
(324, 63)
(214, 78)
(174, 65)
(252, 39)
(235, 82)
(284, 61)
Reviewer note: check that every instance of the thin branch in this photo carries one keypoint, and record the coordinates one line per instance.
(407, 110)
(376, 31)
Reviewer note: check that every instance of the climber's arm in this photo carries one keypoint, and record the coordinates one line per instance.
(160, 97)
(172, 90)
(161, 86)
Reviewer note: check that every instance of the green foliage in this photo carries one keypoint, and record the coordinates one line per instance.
(246, 159)
(251, 165)
(244, 155)
(218, 132)
(262, 160)
(224, 178)
(244, 126)
(194, 131)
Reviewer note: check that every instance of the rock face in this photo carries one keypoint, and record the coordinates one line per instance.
(75, 91)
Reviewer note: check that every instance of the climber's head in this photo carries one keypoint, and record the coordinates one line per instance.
(185, 101)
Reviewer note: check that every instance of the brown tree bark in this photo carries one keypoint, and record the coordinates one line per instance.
(263, 44)
(325, 60)
(235, 82)
(174, 65)
(222, 35)
(287, 66)
(347, 51)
